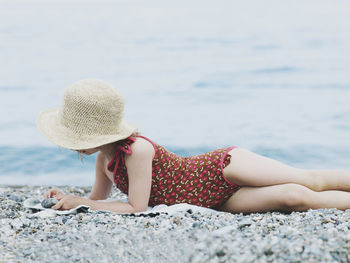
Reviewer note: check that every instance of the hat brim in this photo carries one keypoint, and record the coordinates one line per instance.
(49, 125)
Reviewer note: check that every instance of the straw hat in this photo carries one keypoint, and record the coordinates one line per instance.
(90, 116)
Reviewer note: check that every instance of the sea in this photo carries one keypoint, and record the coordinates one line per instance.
(269, 76)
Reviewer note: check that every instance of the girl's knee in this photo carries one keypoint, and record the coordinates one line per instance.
(294, 196)
(311, 179)
(318, 179)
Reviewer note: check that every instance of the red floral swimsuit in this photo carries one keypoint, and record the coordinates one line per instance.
(196, 180)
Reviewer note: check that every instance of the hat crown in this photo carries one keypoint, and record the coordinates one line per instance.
(92, 107)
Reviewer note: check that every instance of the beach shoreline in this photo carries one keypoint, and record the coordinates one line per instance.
(313, 236)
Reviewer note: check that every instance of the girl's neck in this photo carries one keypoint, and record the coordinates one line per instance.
(109, 150)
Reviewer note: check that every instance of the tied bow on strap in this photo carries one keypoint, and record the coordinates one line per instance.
(119, 157)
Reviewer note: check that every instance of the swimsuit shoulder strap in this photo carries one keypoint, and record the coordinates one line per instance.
(143, 137)
(123, 146)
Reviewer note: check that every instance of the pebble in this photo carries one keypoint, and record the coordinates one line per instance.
(313, 236)
(49, 202)
(244, 223)
(15, 198)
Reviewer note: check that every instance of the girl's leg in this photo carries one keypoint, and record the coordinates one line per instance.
(284, 198)
(249, 169)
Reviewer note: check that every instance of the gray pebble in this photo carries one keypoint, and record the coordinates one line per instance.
(196, 224)
(15, 198)
(245, 223)
(49, 202)
(64, 219)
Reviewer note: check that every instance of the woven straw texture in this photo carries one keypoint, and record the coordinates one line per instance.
(91, 115)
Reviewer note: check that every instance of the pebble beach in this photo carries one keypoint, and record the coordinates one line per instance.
(186, 236)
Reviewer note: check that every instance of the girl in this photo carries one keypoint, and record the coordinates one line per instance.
(229, 179)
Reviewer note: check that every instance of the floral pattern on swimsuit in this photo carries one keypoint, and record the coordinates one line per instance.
(196, 180)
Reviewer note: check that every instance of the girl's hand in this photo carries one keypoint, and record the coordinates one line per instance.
(69, 202)
(54, 193)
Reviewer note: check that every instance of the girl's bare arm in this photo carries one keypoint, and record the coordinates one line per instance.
(103, 185)
(139, 166)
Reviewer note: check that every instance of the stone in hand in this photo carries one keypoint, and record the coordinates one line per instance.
(49, 202)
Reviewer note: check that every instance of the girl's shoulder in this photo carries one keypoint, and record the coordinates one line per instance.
(142, 147)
